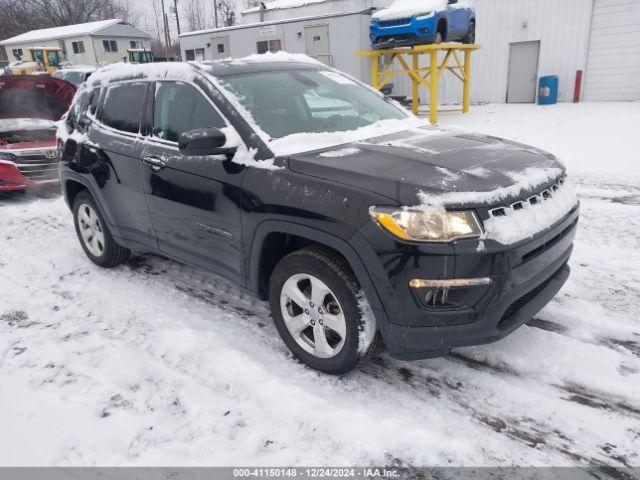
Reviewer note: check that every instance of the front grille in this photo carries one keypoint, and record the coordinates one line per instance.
(396, 22)
(509, 315)
(536, 199)
(37, 165)
(546, 246)
(396, 38)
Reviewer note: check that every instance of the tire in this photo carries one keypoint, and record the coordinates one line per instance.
(315, 274)
(438, 39)
(94, 235)
(470, 37)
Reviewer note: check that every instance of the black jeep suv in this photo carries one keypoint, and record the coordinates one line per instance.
(355, 220)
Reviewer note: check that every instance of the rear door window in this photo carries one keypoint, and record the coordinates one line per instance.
(179, 107)
(122, 106)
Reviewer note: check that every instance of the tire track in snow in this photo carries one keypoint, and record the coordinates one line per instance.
(524, 430)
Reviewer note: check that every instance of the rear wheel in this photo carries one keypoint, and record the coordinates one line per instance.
(94, 235)
(319, 312)
(470, 37)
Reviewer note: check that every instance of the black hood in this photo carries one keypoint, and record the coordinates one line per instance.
(401, 165)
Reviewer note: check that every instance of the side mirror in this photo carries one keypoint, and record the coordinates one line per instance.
(204, 141)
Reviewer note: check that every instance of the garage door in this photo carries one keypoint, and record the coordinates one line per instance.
(613, 64)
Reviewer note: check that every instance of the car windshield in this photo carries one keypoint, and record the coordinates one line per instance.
(298, 101)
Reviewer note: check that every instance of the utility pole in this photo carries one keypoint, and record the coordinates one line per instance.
(175, 7)
(167, 38)
(215, 12)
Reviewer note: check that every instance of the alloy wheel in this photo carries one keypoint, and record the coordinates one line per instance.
(91, 230)
(313, 315)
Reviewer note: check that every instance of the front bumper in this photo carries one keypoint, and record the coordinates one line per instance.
(29, 168)
(525, 277)
(414, 32)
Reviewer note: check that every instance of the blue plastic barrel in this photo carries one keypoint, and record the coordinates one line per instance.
(548, 90)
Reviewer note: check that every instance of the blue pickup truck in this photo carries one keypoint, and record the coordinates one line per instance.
(419, 22)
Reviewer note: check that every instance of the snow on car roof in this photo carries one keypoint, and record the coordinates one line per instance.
(408, 8)
(185, 70)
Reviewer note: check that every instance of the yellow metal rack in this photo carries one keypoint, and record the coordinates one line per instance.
(409, 61)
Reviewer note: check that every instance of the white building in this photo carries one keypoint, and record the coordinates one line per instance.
(600, 38)
(93, 43)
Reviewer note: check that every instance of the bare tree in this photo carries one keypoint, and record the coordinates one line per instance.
(227, 12)
(18, 16)
(194, 12)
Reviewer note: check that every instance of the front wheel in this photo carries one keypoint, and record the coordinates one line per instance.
(320, 312)
(470, 37)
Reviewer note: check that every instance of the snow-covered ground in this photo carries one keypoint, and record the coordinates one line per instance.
(156, 363)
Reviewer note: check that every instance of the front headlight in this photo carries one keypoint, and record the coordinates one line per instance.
(423, 15)
(417, 225)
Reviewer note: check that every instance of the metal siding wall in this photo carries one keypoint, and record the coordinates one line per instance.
(613, 67)
(562, 26)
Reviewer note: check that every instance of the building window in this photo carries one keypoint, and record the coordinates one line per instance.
(135, 44)
(199, 53)
(221, 48)
(110, 46)
(78, 47)
(17, 53)
(190, 55)
(272, 46)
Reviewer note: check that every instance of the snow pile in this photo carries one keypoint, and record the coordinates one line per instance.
(269, 57)
(305, 142)
(24, 64)
(408, 8)
(343, 152)
(518, 225)
(63, 134)
(247, 157)
(7, 124)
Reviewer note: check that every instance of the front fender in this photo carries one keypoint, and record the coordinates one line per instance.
(346, 250)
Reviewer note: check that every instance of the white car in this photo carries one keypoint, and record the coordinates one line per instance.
(74, 75)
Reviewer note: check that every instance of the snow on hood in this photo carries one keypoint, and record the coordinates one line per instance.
(409, 8)
(516, 225)
(525, 181)
(532, 219)
(305, 142)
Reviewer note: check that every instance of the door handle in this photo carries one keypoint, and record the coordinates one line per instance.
(154, 163)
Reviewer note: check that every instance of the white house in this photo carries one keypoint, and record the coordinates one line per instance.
(595, 40)
(93, 43)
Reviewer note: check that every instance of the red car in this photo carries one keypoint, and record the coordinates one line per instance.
(30, 106)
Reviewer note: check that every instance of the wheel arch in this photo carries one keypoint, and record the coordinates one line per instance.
(443, 27)
(260, 250)
(71, 190)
